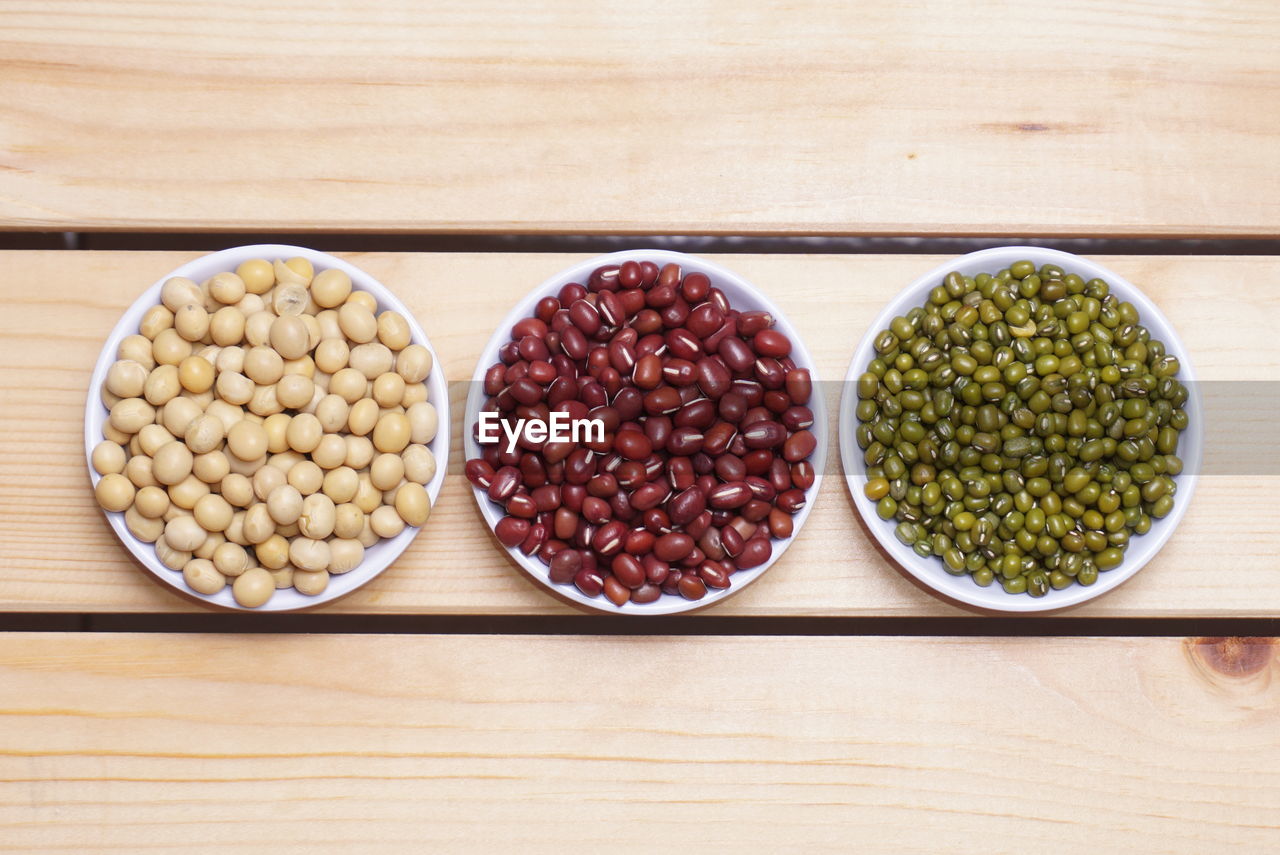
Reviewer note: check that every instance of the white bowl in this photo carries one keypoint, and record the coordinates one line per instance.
(929, 571)
(378, 556)
(742, 296)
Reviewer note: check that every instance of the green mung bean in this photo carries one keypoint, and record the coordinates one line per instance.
(1021, 426)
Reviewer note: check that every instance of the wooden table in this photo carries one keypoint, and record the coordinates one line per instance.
(451, 705)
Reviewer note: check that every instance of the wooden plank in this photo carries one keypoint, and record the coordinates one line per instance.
(326, 744)
(857, 118)
(59, 554)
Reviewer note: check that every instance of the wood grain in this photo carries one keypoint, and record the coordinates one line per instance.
(982, 117)
(59, 554)
(327, 744)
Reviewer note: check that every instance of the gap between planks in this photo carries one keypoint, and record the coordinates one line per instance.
(612, 625)
(356, 241)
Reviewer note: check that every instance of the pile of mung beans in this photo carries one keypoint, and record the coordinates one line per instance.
(705, 456)
(265, 427)
(1022, 427)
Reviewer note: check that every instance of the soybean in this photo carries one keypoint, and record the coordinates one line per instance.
(273, 408)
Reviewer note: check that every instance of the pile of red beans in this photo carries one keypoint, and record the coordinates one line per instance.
(705, 456)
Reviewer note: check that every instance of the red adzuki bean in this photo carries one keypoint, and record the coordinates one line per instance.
(691, 587)
(588, 582)
(756, 552)
(706, 446)
(628, 570)
(646, 593)
(511, 531)
(713, 574)
(564, 566)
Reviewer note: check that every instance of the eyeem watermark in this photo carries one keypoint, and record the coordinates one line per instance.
(559, 427)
